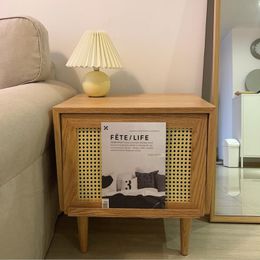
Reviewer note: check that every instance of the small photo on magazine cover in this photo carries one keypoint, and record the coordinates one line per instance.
(133, 165)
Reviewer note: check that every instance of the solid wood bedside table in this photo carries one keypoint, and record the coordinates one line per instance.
(190, 150)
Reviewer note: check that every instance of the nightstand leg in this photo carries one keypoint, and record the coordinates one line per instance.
(83, 233)
(185, 229)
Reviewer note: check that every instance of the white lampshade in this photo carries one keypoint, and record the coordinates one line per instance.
(95, 49)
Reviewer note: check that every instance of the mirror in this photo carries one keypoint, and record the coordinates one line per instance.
(237, 180)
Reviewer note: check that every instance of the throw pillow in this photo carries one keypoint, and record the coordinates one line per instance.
(160, 182)
(129, 184)
(146, 180)
(106, 181)
(111, 187)
(121, 177)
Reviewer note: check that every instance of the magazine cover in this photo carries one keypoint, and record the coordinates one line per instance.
(133, 164)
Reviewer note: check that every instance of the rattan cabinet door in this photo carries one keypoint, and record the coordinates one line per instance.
(185, 166)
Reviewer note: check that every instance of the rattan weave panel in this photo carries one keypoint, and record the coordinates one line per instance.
(89, 166)
(177, 164)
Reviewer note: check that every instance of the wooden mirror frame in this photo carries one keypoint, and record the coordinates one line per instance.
(211, 78)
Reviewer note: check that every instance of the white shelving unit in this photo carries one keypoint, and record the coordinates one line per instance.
(246, 125)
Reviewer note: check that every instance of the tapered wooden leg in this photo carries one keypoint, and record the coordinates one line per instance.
(185, 229)
(83, 233)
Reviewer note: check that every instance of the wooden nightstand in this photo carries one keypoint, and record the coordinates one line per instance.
(190, 151)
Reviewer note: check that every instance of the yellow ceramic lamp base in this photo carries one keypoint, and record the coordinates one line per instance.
(96, 84)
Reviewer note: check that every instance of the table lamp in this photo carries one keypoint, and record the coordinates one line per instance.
(96, 50)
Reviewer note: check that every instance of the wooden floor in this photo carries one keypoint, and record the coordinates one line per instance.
(155, 239)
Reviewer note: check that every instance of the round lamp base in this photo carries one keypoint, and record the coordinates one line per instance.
(96, 84)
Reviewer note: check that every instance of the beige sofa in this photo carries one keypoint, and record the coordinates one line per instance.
(28, 190)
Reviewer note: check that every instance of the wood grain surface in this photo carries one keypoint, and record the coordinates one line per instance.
(197, 122)
(142, 103)
(133, 213)
(185, 230)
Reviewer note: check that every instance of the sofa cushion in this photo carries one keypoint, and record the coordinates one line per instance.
(26, 123)
(24, 49)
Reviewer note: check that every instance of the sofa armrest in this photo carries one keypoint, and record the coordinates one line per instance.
(26, 123)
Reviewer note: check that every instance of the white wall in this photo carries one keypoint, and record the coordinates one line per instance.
(236, 62)
(243, 61)
(161, 42)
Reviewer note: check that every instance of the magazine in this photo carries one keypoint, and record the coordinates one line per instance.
(133, 164)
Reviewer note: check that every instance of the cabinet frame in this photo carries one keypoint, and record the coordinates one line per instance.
(74, 206)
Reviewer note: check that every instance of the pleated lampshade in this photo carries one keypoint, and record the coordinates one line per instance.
(95, 49)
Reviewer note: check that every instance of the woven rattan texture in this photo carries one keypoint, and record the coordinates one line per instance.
(89, 163)
(177, 164)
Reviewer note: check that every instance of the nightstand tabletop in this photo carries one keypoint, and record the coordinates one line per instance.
(139, 103)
